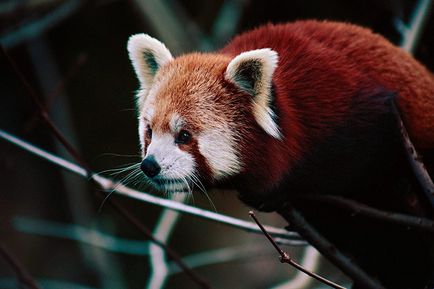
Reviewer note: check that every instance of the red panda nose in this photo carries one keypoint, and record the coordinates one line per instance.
(150, 167)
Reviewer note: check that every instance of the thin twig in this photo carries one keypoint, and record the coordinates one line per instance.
(310, 260)
(80, 60)
(22, 275)
(41, 109)
(359, 276)
(413, 31)
(365, 210)
(162, 231)
(88, 236)
(171, 253)
(167, 23)
(124, 212)
(284, 257)
(415, 160)
(33, 28)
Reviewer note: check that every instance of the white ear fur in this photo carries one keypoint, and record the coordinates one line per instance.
(252, 71)
(147, 54)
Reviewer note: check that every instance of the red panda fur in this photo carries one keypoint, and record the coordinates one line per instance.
(331, 97)
(357, 50)
(322, 67)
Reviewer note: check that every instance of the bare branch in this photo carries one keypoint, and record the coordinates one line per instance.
(22, 275)
(310, 261)
(415, 160)
(284, 237)
(41, 109)
(413, 31)
(80, 60)
(81, 234)
(285, 258)
(359, 276)
(167, 24)
(32, 29)
(171, 253)
(365, 210)
(163, 230)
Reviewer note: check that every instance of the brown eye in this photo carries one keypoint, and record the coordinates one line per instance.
(183, 137)
(149, 132)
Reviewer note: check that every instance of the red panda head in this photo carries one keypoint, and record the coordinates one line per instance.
(198, 112)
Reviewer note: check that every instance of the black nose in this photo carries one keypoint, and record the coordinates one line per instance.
(150, 167)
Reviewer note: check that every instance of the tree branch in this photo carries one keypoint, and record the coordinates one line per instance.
(415, 160)
(34, 28)
(365, 210)
(285, 258)
(22, 275)
(412, 32)
(307, 231)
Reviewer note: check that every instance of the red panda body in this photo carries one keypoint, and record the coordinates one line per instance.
(290, 110)
(350, 52)
(333, 76)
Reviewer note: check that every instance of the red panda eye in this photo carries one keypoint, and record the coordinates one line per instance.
(183, 137)
(149, 132)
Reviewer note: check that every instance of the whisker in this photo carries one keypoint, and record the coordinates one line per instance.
(134, 174)
(125, 169)
(120, 169)
(118, 155)
(191, 194)
(122, 181)
(202, 188)
(104, 201)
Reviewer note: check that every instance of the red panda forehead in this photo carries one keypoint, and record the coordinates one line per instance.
(191, 88)
(192, 73)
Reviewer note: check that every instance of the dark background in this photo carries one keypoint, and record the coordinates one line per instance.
(79, 66)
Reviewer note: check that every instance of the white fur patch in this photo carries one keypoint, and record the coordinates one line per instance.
(140, 44)
(176, 123)
(268, 60)
(174, 163)
(217, 146)
(142, 133)
(145, 116)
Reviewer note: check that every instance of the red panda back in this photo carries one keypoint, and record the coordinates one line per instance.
(374, 56)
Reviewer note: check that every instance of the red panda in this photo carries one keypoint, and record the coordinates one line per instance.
(298, 108)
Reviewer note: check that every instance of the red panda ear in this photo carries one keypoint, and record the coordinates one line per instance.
(147, 55)
(252, 72)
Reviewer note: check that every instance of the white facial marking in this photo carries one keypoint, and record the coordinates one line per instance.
(217, 146)
(142, 132)
(268, 60)
(174, 163)
(147, 114)
(176, 123)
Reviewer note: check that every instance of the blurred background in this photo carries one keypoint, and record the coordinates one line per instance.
(73, 54)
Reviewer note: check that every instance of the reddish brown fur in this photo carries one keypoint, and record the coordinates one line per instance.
(370, 53)
(332, 88)
(186, 80)
(322, 66)
(193, 86)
